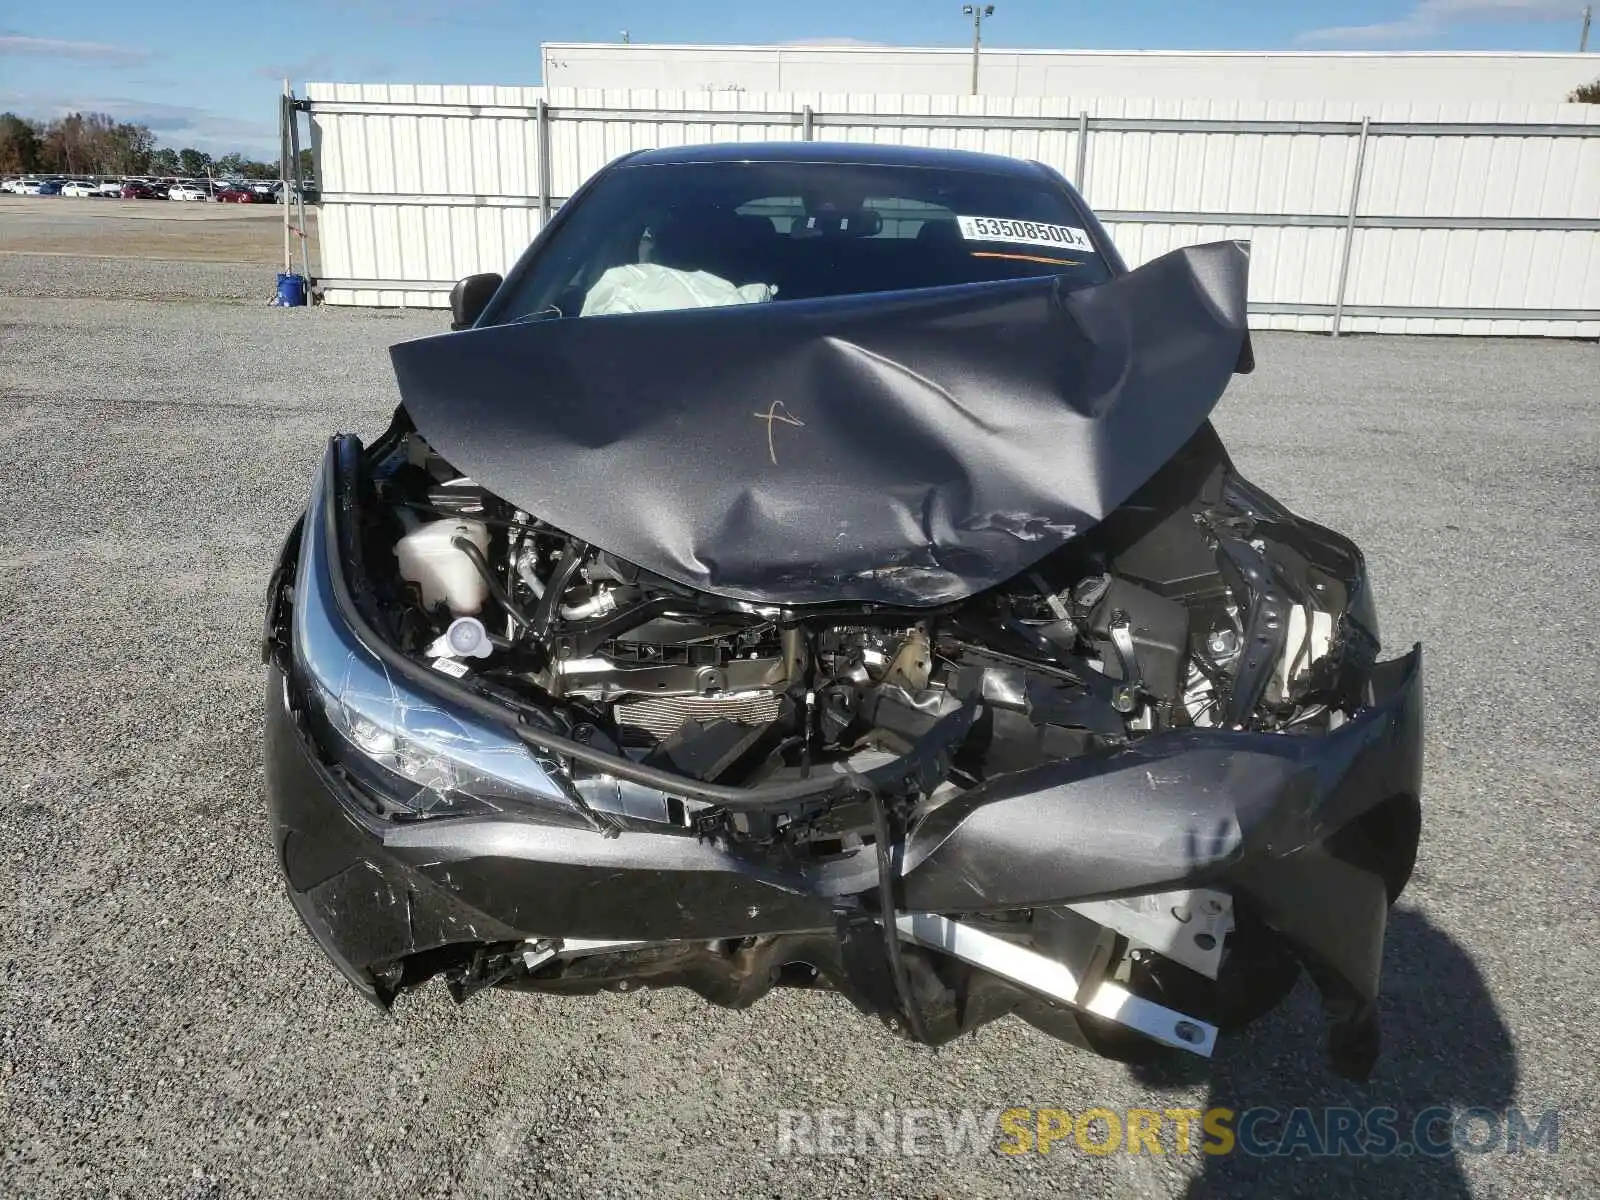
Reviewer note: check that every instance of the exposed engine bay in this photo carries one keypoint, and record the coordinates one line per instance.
(1192, 609)
(1199, 605)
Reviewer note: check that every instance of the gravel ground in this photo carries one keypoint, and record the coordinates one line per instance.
(145, 229)
(168, 1030)
(49, 276)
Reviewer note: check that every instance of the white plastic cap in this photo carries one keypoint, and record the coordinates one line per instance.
(466, 638)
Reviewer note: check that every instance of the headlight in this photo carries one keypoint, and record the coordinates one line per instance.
(422, 755)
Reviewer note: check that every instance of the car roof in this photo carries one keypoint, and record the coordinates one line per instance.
(840, 153)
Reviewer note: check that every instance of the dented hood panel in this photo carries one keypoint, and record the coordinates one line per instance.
(908, 448)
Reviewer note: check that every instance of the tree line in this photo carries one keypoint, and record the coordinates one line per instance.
(98, 144)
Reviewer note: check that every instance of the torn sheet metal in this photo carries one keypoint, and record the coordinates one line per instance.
(909, 448)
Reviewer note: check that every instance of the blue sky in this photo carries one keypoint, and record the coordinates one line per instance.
(205, 74)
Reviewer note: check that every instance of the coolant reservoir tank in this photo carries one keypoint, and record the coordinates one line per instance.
(445, 574)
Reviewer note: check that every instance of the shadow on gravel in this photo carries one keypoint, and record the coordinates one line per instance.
(1444, 1045)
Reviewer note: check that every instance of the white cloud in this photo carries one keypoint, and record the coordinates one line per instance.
(176, 125)
(101, 52)
(1429, 18)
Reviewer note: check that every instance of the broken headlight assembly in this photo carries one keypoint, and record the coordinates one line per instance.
(411, 754)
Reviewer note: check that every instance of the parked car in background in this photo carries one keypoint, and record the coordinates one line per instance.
(29, 187)
(78, 188)
(51, 187)
(268, 191)
(239, 194)
(187, 191)
(111, 188)
(135, 190)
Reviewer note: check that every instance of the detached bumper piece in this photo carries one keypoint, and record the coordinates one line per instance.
(1058, 981)
(1011, 896)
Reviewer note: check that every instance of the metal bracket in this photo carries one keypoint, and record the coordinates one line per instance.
(1186, 926)
(1058, 981)
(1125, 696)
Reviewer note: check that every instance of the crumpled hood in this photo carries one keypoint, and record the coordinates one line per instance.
(908, 448)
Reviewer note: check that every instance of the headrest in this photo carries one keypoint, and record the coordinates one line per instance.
(715, 240)
(941, 231)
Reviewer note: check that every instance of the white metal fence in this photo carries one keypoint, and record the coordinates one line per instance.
(1470, 219)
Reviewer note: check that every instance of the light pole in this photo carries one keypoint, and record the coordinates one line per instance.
(977, 12)
(1583, 38)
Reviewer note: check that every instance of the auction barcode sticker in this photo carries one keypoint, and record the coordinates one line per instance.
(1030, 233)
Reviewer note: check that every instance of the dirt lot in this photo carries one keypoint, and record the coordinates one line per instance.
(146, 229)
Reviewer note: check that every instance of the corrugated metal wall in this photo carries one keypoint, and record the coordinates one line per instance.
(1363, 76)
(422, 185)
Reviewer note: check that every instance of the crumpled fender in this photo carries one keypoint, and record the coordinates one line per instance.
(1269, 817)
(1175, 809)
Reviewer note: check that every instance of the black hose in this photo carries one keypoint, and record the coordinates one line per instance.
(550, 603)
(763, 798)
(887, 909)
(502, 597)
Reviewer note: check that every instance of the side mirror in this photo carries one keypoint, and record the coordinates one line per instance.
(470, 297)
(1247, 356)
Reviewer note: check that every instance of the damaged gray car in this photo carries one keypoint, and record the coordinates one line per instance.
(814, 566)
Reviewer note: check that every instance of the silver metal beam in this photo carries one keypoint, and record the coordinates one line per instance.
(1337, 221)
(1115, 216)
(1056, 981)
(394, 108)
(543, 165)
(1274, 308)
(1348, 246)
(1083, 154)
(541, 202)
(298, 200)
(383, 285)
(962, 120)
(680, 116)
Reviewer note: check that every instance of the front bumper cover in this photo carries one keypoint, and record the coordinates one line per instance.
(1290, 822)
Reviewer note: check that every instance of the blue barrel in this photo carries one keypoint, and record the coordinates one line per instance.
(291, 291)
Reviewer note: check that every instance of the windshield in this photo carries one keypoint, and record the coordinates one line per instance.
(691, 235)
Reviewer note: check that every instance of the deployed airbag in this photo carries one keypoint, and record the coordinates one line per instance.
(651, 287)
(908, 448)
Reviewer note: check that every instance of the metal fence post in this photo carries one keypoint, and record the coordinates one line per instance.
(541, 120)
(807, 130)
(1350, 225)
(1083, 150)
(292, 115)
(285, 115)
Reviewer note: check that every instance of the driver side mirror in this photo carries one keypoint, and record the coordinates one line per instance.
(470, 297)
